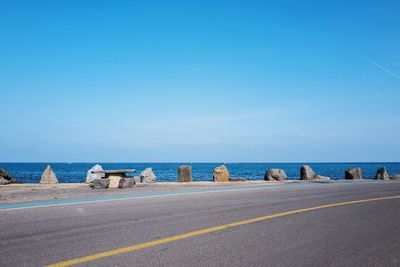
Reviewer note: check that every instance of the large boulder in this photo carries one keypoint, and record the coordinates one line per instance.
(185, 173)
(5, 178)
(382, 174)
(221, 174)
(4, 181)
(275, 175)
(5, 175)
(353, 174)
(147, 176)
(48, 176)
(93, 173)
(100, 183)
(126, 182)
(114, 181)
(137, 179)
(306, 173)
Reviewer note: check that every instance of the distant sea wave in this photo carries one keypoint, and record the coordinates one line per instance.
(167, 172)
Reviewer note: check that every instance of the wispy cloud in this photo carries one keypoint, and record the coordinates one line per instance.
(382, 68)
(396, 64)
(189, 67)
(283, 29)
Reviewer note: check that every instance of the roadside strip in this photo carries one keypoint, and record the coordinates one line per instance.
(62, 202)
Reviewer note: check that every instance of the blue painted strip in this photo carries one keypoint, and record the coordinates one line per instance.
(179, 192)
(133, 196)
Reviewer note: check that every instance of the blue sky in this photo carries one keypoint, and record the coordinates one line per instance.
(200, 81)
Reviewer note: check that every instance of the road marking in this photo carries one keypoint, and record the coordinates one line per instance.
(207, 231)
(62, 202)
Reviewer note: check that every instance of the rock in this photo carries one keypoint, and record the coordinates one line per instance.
(48, 176)
(137, 179)
(4, 181)
(5, 178)
(381, 174)
(306, 173)
(126, 183)
(147, 176)
(395, 177)
(185, 173)
(275, 175)
(114, 181)
(320, 177)
(237, 179)
(100, 183)
(221, 174)
(4, 175)
(91, 175)
(353, 174)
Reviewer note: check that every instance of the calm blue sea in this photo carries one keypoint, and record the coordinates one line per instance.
(167, 172)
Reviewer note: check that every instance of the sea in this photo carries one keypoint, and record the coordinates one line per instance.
(167, 172)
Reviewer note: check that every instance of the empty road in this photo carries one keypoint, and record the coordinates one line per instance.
(335, 224)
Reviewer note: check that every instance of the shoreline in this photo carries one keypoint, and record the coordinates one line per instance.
(24, 193)
(77, 173)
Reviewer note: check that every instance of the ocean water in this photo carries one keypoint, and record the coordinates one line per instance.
(167, 172)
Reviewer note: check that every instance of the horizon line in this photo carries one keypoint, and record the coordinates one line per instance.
(194, 162)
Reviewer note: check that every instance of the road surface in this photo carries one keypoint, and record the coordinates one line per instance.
(262, 226)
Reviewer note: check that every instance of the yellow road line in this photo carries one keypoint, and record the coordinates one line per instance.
(206, 231)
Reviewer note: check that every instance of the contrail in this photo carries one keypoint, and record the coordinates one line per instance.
(283, 29)
(382, 68)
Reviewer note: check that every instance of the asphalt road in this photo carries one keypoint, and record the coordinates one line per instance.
(362, 234)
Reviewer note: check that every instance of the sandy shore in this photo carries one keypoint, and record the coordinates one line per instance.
(18, 193)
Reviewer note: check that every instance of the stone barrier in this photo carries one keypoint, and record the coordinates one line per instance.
(185, 173)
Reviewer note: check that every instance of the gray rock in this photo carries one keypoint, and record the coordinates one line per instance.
(137, 179)
(395, 177)
(320, 177)
(275, 175)
(5, 175)
(100, 183)
(185, 173)
(221, 174)
(381, 174)
(5, 178)
(353, 174)
(48, 176)
(306, 173)
(92, 173)
(126, 182)
(4, 181)
(147, 176)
